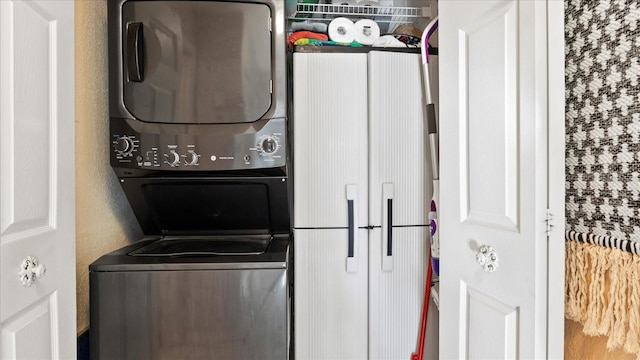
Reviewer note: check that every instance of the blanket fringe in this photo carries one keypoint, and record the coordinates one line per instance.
(602, 290)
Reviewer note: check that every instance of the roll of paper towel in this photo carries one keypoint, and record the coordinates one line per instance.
(341, 30)
(366, 31)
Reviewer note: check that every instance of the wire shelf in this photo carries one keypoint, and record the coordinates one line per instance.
(385, 14)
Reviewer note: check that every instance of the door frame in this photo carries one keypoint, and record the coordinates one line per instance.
(556, 151)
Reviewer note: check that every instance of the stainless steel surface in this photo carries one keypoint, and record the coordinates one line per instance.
(202, 71)
(275, 257)
(191, 307)
(208, 91)
(222, 314)
(151, 147)
(198, 133)
(239, 245)
(204, 61)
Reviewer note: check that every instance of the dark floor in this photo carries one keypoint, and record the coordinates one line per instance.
(83, 346)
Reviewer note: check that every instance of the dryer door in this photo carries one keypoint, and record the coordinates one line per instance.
(196, 61)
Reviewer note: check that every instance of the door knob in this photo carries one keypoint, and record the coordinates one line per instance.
(30, 270)
(488, 258)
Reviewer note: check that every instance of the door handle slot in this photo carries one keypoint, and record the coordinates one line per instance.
(387, 227)
(352, 206)
(135, 52)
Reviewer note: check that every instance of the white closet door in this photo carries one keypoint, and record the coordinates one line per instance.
(330, 137)
(495, 181)
(330, 307)
(37, 207)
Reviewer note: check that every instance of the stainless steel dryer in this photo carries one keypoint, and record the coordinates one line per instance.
(197, 86)
(198, 128)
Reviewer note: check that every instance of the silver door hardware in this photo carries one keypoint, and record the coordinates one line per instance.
(30, 271)
(488, 258)
(548, 221)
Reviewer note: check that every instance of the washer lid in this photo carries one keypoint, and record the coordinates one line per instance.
(275, 257)
(201, 208)
(202, 246)
(182, 206)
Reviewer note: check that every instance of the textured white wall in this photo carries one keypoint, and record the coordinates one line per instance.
(104, 220)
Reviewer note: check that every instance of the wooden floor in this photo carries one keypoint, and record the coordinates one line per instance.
(578, 346)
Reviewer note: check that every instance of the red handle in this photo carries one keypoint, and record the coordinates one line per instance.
(425, 313)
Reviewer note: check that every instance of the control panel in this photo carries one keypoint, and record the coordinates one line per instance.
(217, 147)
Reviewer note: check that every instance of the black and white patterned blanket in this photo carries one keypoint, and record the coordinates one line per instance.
(602, 73)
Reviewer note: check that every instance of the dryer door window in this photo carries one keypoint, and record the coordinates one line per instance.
(196, 62)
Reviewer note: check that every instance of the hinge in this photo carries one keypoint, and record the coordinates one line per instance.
(548, 221)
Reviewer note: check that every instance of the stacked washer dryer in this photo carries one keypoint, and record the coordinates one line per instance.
(199, 143)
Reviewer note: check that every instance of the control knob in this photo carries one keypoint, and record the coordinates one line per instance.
(173, 159)
(194, 158)
(269, 145)
(123, 145)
